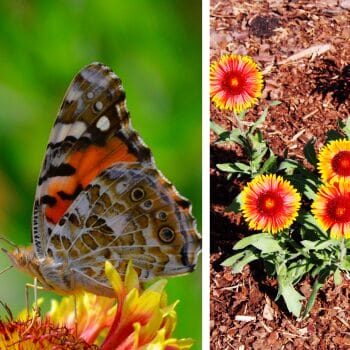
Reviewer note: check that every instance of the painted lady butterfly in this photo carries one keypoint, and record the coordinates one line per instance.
(100, 197)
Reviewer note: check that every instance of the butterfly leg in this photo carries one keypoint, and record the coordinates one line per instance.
(35, 288)
(36, 311)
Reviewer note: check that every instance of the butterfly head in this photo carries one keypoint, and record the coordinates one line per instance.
(24, 259)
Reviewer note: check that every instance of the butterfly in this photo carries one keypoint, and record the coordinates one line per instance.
(101, 197)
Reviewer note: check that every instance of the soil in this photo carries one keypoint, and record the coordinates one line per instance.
(303, 48)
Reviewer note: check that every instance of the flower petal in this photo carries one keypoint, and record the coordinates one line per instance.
(115, 280)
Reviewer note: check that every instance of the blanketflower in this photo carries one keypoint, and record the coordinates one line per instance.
(28, 335)
(331, 208)
(270, 203)
(334, 161)
(235, 82)
(136, 320)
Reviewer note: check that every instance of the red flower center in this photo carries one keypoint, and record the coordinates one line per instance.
(339, 209)
(233, 83)
(341, 163)
(270, 203)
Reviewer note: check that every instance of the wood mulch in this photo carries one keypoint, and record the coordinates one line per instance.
(303, 48)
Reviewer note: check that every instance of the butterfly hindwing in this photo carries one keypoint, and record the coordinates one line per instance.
(128, 212)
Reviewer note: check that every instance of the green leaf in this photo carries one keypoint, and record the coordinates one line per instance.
(255, 164)
(249, 257)
(247, 146)
(216, 128)
(288, 165)
(347, 243)
(337, 277)
(234, 167)
(318, 245)
(298, 269)
(269, 165)
(333, 135)
(262, 241)
(346, 127)
(309, 152)
(259, 153)
(233, 259)
(262, 118)
(345, 263)
(305, 181)
(221, 132)
(235, 206)
(267, 245)
(247, 241)
(309, 222)
(242, 114)
(315, 288)
(292, 298)
(312, 298)
(238, 264)
(237, 137)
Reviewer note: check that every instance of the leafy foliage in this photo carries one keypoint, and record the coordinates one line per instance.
(302, 249)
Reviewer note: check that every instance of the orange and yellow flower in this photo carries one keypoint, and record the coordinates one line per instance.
(331, 208)
(334, 161)
(270, 203)
(136, 320)
(94, 314)
(143, 319)
(235, 82)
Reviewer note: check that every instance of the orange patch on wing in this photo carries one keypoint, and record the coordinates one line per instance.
(88, 164)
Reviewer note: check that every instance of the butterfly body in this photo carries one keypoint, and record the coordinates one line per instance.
(100, 197)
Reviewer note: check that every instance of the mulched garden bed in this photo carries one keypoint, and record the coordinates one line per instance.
(303, 48)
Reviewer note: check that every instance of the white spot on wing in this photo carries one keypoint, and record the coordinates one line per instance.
(61, 131)
(94, 77)
(113, 75)
(121, 187)
(98, 105)
(103, 123)
(73, 94)
(90, 95)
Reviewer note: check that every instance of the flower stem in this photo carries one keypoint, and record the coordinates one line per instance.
(236, 120)
(342, 249)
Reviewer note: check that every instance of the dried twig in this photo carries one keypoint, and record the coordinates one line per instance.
(312, 51)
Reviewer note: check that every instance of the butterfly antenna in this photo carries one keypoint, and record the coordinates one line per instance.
(3, 238)
(5, 269)
(8, 241)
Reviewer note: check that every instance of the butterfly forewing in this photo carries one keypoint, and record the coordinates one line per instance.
(89, 135)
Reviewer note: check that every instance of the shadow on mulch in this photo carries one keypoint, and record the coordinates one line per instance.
(225, 226)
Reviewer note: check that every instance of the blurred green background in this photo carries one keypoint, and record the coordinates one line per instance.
(155, 48)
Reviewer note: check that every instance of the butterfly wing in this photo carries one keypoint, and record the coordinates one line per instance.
(92, 132)
(100, 196)
(128, 212)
